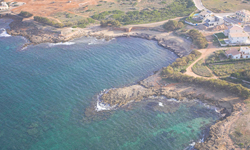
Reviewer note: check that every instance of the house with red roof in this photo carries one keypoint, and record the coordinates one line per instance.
(233, 53)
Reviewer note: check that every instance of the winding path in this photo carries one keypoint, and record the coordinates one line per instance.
(204, 53)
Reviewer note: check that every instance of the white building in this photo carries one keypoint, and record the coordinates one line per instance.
(236, 35)
(245, 52)
(243, 15)
(236, 53)
(213, 20)
(205, 14)
(4, 6)
(233, 53)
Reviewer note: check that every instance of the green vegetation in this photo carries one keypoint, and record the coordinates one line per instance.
(227, 68)
(178, 8)
(244, 75)
(115, 14)
(80, 23)
(134, 4)
(25, 14)
(172, 25)
(198, 38)
(212, 83)
(217, 56)
(221, 35)
(222, 41)
(181, 64)
(200, 69)
(110, 23)
(241, 145)
(172, 73)
(47, 21)
(190, 19)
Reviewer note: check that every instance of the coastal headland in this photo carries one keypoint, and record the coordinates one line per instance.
(231, 106)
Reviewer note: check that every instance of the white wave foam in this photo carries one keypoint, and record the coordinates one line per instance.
(4, 33)
(61, 43)
(24, 48)
(157, 97)
(100, 106)
(173, 100)
(210, 107)
(99, 41)
(93, 42)
(161, 104)
(201, 140)
(192, 144)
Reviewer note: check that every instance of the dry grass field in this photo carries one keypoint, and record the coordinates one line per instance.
(226, 5)
(49, 7)
(85, 8)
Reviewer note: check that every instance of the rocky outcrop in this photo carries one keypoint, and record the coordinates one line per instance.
(30, 31)
(219, 135)
(170, 44)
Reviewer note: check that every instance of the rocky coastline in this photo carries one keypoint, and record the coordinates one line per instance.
(37, 33)
(218, 137)
(151, 86)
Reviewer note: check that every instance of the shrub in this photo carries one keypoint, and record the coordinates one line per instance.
(168, 70)
(183, 70)
(25, 14)
(182, 62)
(134, 4)
(172, 25)
(48, 21)
(198, 38)
(110, 23)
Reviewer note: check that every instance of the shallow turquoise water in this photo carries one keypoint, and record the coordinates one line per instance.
(45, 90)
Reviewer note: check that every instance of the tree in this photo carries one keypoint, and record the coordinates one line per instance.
(171, 25)
(168, 70)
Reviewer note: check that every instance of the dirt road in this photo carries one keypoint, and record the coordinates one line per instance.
(205, 52)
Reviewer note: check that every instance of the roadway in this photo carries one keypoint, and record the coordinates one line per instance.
(199, 5)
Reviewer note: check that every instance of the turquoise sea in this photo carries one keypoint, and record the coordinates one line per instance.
(46, 89)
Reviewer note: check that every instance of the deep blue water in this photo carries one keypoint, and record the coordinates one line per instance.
(45, 90)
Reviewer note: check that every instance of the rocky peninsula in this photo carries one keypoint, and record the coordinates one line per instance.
(230, 106)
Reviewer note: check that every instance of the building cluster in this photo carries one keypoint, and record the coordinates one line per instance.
(243, 15)
(4, 6)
